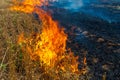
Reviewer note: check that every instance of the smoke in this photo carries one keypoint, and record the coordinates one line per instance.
(98, 8)
(74, 4)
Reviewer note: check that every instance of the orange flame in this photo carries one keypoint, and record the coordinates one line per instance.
(49, 47)
(28, 6)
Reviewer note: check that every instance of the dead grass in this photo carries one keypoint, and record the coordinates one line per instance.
(11, 25)
(4, 3)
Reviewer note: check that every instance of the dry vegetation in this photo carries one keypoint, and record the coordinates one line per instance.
(11, 25)
(14, 63)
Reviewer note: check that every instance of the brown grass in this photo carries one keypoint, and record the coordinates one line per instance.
(11, 25)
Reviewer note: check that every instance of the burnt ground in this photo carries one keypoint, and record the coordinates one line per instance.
(98, 37)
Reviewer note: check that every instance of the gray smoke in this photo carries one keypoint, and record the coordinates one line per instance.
(74, 4)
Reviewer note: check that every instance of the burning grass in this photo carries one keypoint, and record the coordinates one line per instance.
(41, 54)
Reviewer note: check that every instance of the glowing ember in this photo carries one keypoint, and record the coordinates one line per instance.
(49, 47)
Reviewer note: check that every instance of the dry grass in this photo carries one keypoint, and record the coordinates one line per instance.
(4, 3)
(12, 60)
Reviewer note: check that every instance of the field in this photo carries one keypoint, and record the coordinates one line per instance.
(96, 45)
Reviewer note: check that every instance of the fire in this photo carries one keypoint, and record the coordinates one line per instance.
(28, 6)
(49, 47)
